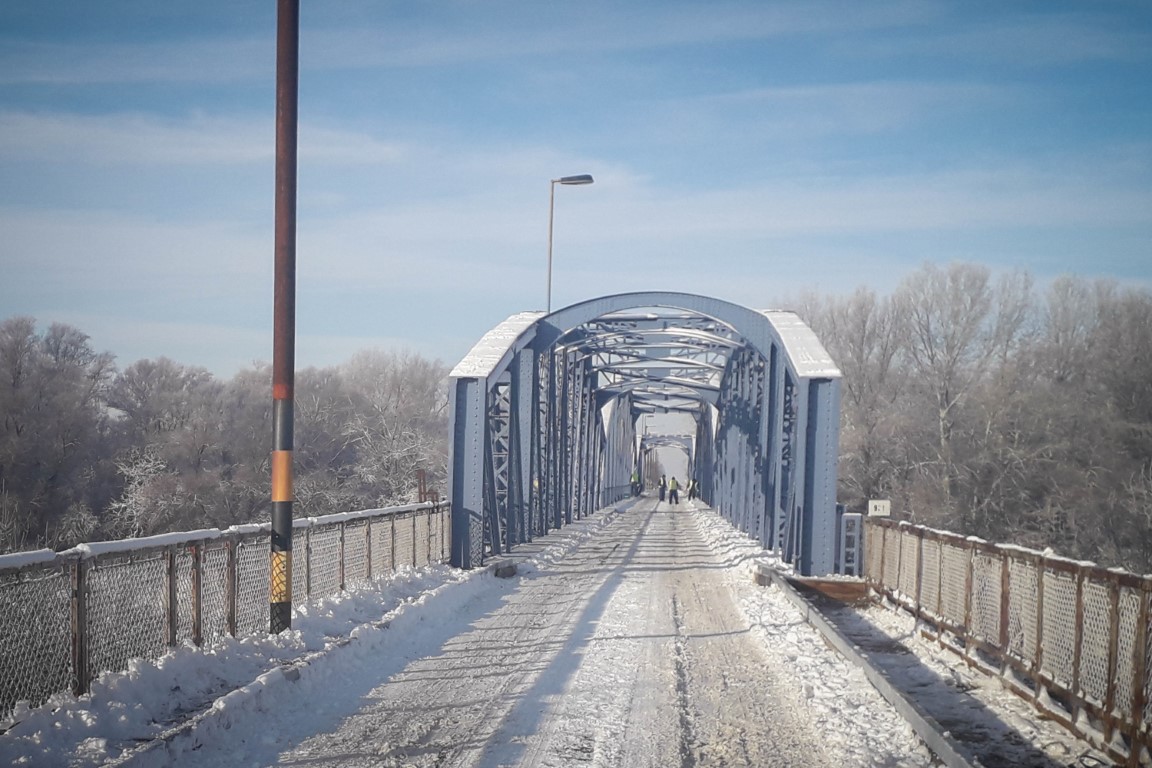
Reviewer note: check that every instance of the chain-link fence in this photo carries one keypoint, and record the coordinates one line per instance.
(66, 617)
(1071, 637)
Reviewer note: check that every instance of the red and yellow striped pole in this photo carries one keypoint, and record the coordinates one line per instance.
(284, 321)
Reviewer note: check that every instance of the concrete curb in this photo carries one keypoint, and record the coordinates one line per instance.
(946, 748)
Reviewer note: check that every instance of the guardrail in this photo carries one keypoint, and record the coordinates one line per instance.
(1069, 636)
(65, 617)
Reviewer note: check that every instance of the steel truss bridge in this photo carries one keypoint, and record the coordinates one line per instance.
(547, 408)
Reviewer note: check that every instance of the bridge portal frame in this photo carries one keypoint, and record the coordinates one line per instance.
(536, 443)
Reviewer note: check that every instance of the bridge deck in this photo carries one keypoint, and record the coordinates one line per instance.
(633, 650)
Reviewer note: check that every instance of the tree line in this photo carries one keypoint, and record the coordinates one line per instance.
(990, 407)
(978, 404)
(90, 452)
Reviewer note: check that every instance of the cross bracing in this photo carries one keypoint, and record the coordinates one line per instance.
(548, 411)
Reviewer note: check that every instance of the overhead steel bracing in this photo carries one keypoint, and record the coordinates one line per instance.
(547, 411)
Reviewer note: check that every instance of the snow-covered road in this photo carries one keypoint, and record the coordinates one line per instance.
(633, 649)
(629, 652)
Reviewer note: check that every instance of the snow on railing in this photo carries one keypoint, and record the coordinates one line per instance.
(65, 617)
(1069, 636)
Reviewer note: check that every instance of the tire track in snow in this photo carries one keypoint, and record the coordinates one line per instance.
(687, 738)
(744, 710)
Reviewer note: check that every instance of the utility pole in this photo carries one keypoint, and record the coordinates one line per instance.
(284, 313)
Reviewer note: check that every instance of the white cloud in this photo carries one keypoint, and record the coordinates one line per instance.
(341, 35)
(1037, 40)
(196, 60)
(148, 140)
(852, 108)
(1019, 196)
(105, 248)
(132, 139)
(470, 33)
(447, 236)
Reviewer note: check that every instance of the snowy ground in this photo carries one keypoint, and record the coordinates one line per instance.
(632, 638)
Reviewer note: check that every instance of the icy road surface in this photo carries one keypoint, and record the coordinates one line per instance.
(629, 651)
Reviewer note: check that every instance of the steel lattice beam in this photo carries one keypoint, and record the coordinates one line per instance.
(545, 414)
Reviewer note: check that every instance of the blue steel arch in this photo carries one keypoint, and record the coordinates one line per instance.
(545, 409)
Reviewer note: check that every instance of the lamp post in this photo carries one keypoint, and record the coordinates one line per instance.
(571, 181)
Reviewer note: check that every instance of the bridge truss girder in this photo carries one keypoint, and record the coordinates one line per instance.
(546, 410)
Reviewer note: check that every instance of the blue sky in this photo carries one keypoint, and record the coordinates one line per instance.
(747, 150)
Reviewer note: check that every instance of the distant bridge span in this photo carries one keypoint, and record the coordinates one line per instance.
(546, 407)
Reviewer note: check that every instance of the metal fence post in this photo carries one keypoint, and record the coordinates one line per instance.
(197, 594)
(1113, 650)
(968, 581)
(919, 533)
(368, 550)
(440, 534)
(883, 555)
(1005, 581)
(1140, 680)
(414, 537)
(939, 577)
(308, 561)
(1038, 658)
(1078, 693)
(340, 563)
(230, 588)
(170, 614)
(899, 556)
(79, 578)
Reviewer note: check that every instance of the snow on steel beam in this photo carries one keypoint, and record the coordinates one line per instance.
(808, 356)
(495, 349)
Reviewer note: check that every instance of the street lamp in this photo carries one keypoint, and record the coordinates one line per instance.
(583, 178)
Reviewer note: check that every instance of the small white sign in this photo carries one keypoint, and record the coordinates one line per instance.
(879, 508)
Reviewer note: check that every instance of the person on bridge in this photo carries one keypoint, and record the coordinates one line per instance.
(635, 483)
(662, 487)
(693, 489)
(673, 487)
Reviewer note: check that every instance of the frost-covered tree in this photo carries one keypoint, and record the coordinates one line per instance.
(960, 326)
(52, 420)
(863, 332)
(398, 422)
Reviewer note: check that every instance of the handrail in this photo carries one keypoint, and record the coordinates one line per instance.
(67, 616)
(1069, 636)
